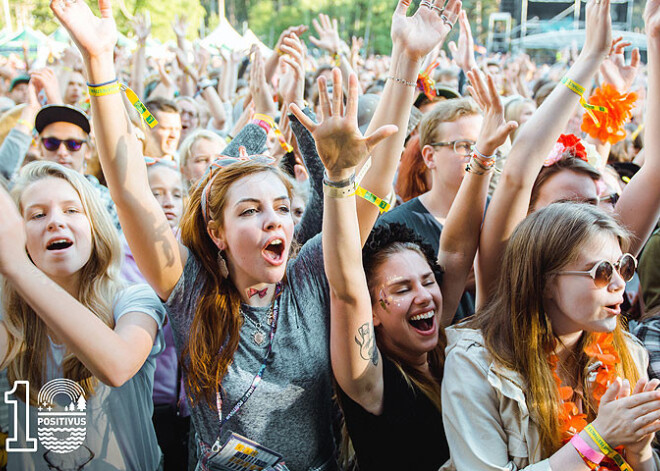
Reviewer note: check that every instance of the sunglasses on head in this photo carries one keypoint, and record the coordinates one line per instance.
(603, 271)
(149, 161)
(53, 143)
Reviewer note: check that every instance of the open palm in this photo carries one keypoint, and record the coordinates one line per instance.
(420, 33)
(94, 36)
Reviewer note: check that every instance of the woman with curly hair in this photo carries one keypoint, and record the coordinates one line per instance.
(389, 303)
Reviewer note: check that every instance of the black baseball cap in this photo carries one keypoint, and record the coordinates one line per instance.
(18, 80)
(61, 113)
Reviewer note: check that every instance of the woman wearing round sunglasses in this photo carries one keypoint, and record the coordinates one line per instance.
(546, 367)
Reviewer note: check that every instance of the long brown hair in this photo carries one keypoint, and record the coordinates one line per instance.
(516, 329)
(216, 324)
(28, 343)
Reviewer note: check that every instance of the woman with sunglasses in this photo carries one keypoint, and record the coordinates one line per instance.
(526, 185)
(550, 375)
(254, 344)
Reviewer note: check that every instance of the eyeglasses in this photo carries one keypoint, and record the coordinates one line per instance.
(461, 147)
(53, 143)
(603, 271)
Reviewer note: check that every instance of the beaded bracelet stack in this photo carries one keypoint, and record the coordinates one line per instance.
(480, 164)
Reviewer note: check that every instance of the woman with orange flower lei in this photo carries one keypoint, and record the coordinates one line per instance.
(545, 377)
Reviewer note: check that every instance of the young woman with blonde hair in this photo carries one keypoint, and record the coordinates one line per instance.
(66, 315)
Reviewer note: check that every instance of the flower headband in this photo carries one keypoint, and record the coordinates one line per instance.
(224, 162)
(577, 148)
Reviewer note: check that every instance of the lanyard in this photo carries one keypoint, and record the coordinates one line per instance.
(255, 382)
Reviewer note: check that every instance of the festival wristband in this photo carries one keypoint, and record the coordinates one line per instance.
(606, 449)
(139, 106)
(382, 205)
(336, 59)
(585, 450)
(579, 90)
(334, 192)
(109, 88)
(268, 123)
(338, 184)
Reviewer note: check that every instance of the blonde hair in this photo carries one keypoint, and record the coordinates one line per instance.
(517, 331)
(28, 343)
(185, 152)
(444, 112)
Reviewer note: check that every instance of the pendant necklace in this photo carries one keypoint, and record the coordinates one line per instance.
(259, 336)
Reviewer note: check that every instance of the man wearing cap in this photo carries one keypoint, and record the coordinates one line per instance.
(64, 139)
(18, 89)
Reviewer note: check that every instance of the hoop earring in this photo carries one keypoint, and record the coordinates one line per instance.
(223, 271)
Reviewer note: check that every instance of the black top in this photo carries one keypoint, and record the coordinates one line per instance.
(407, 435)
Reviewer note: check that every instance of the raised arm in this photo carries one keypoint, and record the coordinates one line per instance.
(113, 356)
(413, 37)
(142, 27)
(158, 254)
(535, 140)
(460, 236)
(639, 205)
(342, 148)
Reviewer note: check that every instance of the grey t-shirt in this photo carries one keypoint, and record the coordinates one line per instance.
(290, 411)
(119, 434)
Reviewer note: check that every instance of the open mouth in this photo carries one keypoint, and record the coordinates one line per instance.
(59, 244)
(614, 308)
(423, 322)
(273, 252)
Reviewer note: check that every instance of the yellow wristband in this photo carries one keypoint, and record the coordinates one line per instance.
(382, 205)
(579, 90)
(104, 90)
(334, 192)
(139, 106)
(606, 449)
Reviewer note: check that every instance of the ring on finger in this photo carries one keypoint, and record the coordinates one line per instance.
(438, 9)
(446, 21)
(425, 3)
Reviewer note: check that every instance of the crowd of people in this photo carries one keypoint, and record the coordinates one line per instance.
(318, 259)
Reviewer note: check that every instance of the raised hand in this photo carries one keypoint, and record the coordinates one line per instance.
(416, 35)
(94, 36)
(259, 88)
(614, 69)
(328, 33)
(652, 18)
(463, 54)
(339, 143)
(142, 26)
(46, 80)
(180, 25)
(598, 26)
(495, 129)
(297, 30)
(292, 83)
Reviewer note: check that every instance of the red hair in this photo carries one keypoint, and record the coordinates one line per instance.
(413, 172)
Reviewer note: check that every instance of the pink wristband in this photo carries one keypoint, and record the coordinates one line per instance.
(585, 450)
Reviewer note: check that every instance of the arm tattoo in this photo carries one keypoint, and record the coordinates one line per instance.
(367, 343)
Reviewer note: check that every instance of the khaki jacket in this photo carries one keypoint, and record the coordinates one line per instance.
(486, 419)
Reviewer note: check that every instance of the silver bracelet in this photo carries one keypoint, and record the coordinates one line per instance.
(404, 82)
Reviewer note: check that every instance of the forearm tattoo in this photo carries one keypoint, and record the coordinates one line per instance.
(366, 340)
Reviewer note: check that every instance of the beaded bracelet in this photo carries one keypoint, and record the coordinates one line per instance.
(402, 81)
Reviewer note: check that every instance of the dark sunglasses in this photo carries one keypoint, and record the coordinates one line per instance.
(603, 271)
(53, 143)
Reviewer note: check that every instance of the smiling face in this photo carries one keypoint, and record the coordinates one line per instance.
(164, 139)
(75, 89)
(257, 229)
(59, 234)
(167, 187)
(574, 303)
(408, 305)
